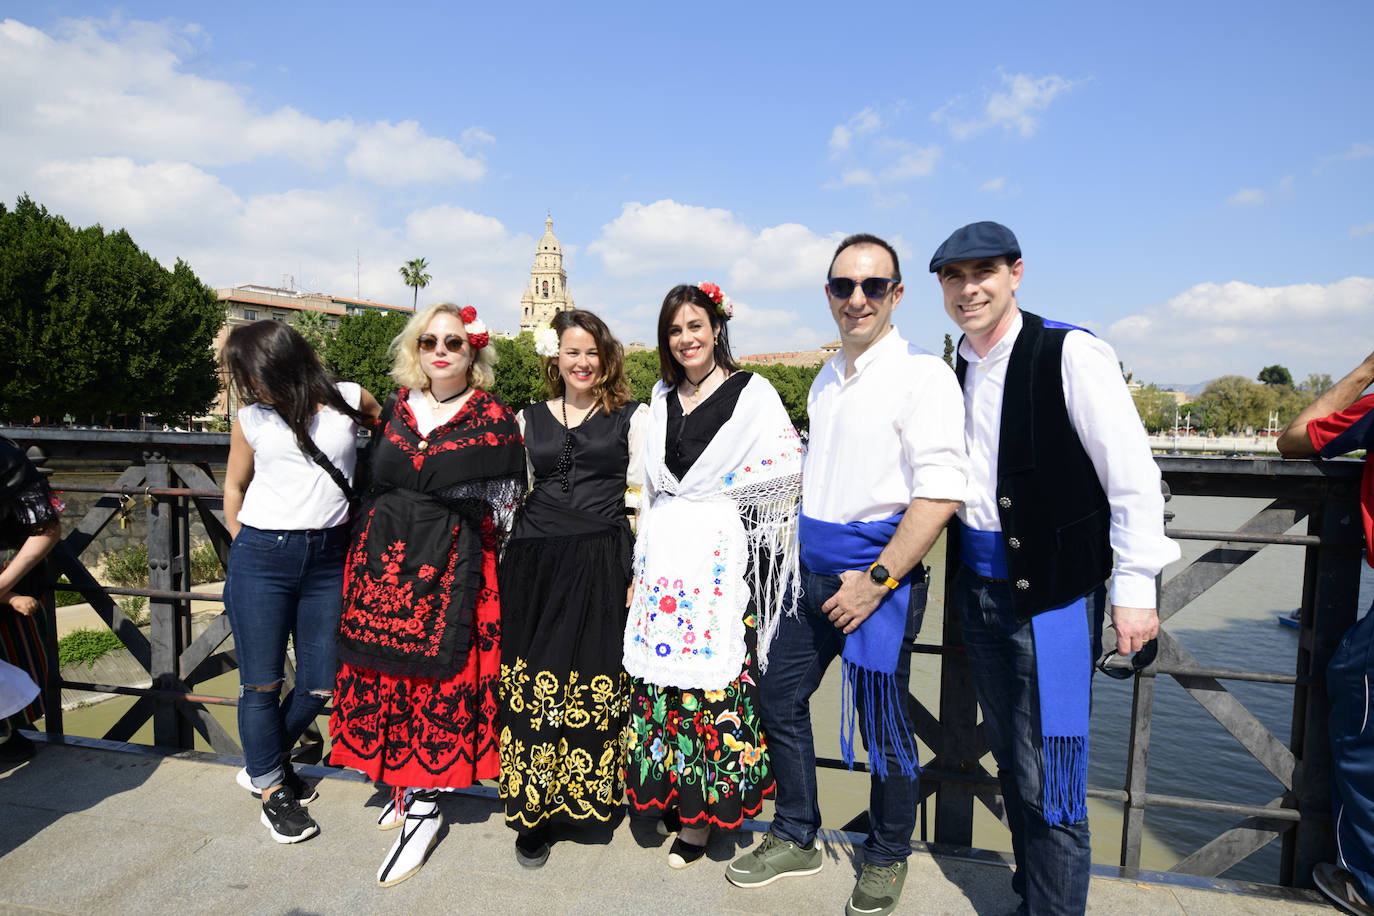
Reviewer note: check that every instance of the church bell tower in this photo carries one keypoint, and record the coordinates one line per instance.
(547, 293)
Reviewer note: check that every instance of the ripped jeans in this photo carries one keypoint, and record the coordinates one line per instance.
(283, 584)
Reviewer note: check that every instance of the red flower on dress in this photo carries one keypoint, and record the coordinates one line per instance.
(468, 314)
(427, 572)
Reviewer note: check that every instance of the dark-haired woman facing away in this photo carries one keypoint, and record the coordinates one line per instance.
(289, 521)
(564, 578)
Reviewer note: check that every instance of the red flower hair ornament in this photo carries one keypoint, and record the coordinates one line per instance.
(724, 307)
(478, 335)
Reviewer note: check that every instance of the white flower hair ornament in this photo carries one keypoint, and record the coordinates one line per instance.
(546, 341)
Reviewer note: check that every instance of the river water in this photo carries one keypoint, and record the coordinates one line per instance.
(1232, 626)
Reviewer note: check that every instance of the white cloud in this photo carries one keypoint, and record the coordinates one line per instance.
(853, 178)
(1015, 108)
(113, 88)
(881, 160)
(1358, 231)
(865, 122)
(917, 163)
(650, 248)
(667, 235)
(398, 154)
(1283, 190)
(1213, 329)
(993, 185)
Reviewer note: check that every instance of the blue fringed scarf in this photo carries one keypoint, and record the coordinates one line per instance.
(869, 659)
(1063, 665)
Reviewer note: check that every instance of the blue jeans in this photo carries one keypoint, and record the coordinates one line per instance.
(1053, 864)
(802, 650)
(1348, 677)
(280, 584)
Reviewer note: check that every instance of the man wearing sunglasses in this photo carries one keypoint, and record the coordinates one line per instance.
(1061, 476)
(885, 469)
(1340, 421)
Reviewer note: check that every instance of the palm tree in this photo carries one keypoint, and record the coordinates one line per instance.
(414, 274)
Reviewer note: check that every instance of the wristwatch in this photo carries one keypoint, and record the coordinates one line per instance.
(879, 574)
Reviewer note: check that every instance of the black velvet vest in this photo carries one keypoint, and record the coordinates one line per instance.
(1055, 516)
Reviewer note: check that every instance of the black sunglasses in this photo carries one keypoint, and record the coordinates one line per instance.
(427, 342)
(1142, 659)
(873, 287)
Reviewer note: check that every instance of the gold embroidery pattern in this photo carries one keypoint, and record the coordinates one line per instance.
(563, 745)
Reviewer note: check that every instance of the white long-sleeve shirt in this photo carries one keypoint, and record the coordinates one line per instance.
(1104, 416)
(891, 432)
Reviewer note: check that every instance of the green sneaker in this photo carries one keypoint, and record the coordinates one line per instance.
(878, 890)
(772, 859)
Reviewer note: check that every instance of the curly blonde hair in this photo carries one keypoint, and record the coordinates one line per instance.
(405, 352)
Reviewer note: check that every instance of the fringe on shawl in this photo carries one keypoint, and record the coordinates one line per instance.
(770, 510)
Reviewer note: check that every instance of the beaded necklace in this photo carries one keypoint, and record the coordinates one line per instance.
(564, 463)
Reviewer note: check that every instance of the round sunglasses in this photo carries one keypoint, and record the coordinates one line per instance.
(452, 342)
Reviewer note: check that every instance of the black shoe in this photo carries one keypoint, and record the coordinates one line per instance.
(16, 749)
(670, 824)
(683, 853)
(532, 849)
(285, 819)
(304, 792)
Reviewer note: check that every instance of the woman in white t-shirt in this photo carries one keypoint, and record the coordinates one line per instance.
(288, 516)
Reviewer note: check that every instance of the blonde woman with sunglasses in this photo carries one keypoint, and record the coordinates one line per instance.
(419, 648)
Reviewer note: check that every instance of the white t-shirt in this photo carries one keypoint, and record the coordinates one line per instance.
(289, 491)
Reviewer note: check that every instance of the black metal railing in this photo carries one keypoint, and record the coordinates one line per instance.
(171, 478)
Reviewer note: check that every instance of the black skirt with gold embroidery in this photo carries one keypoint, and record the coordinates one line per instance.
(564, 693)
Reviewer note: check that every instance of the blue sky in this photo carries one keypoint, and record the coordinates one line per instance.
(1195, 182)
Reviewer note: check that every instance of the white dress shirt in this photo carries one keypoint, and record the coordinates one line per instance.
(1104, 416)
(891, 432)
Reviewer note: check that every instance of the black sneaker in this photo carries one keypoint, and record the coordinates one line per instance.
(285, 819)
(305, 793)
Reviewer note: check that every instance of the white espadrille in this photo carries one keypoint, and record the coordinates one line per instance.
(419, 833)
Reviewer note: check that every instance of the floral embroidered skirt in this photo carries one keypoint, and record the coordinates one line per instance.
(564, 693)
(702, 752)
(430, 733)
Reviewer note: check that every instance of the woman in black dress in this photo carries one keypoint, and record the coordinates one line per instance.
(29, 529)
(564, 580)
(716, 563)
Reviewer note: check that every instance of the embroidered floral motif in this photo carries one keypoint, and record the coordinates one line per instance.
(572, 764)
(705, 748)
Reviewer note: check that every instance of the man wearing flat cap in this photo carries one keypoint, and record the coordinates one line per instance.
(1061, 476)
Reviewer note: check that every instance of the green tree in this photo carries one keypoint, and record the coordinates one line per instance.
(315, 327)
(358, 350)
(1316, 386)
(413, 272)
(1156, 408)
(92, 325)
(949, 350)
(519, 371)
(642, 372)
(1275, 375)
(1232, 404)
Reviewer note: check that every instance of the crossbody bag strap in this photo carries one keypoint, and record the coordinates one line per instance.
(334, 473)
